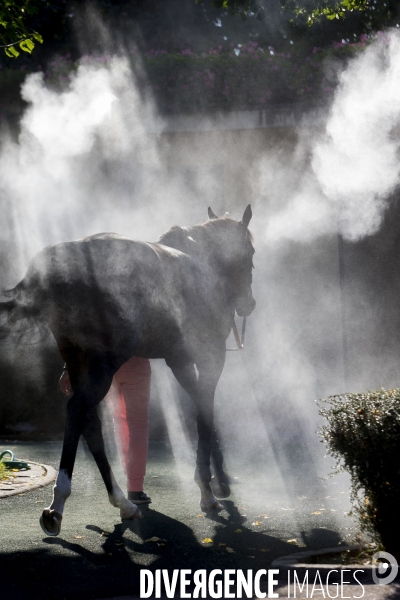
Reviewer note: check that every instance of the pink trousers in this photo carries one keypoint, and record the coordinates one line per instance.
(128, 401)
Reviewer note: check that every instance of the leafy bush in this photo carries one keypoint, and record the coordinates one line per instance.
(363, 434)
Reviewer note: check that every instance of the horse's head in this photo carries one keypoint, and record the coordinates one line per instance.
(236, 252)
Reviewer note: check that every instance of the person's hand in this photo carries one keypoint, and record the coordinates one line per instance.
(64, 383)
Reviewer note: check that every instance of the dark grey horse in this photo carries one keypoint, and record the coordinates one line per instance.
(107, 298)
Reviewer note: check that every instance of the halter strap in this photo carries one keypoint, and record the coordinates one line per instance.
(239, 340)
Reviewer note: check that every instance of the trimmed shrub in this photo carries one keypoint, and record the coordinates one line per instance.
(363, 435)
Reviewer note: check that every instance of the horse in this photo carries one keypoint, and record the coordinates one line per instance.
(106, 298)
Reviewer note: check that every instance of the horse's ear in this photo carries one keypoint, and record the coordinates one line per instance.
(211, 215)
(247, 216)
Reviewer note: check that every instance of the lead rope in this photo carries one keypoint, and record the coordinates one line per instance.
(239, 340)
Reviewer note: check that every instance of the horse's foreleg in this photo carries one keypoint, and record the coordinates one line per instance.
(94, 437)
(50, 521)
(209, 373)
(202, 476)
(202, 391)
(219, 482)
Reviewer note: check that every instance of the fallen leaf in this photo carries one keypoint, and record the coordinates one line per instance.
(293, 541)
(238, 531)
(207, 541)
(119, 544)
(257, 523)
(78, 537)
(200, 515)
(154, 539)
(104, 534)
(229, 549)
(316, 512)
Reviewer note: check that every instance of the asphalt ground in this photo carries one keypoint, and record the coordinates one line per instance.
(98, 556)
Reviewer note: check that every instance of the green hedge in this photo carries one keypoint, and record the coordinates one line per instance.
(363, 434)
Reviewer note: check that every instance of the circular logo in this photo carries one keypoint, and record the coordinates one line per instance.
(386, 570)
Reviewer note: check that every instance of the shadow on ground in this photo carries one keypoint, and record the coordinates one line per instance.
(69, 570)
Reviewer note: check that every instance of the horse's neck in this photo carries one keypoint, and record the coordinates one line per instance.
(195, 241)
(176, 237)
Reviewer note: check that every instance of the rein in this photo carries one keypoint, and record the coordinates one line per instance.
(239, 340)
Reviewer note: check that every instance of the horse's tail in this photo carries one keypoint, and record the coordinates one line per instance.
(20, 315)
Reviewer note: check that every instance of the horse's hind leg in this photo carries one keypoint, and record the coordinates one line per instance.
(92, 432)
(50, 520)
(91, 377)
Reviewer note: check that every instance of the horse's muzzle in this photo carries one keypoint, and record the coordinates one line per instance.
(245, 306)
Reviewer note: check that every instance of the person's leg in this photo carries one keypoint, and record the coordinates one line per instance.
(132, 422)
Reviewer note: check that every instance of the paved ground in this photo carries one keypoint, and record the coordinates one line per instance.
(27, 480)
(96, 556)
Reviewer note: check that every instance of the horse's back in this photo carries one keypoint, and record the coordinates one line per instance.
(106, 287)
(100, 260)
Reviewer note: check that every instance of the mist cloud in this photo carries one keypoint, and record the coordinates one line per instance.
(354, 164)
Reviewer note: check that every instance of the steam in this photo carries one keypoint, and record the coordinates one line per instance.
(86, 161)
(354, 164)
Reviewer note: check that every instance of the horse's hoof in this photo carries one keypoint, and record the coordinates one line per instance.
(220, 489)
(50, 522)
(129, 513)
(212, 507)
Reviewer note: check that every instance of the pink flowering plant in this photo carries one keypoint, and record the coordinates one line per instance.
(244, 78)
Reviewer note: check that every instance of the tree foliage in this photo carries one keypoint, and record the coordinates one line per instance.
(374, 14)
(15, 31)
